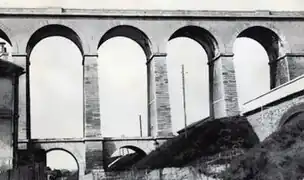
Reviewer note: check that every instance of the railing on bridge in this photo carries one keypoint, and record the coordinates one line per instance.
(25, 173)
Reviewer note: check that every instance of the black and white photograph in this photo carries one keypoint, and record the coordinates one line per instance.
(151, 90)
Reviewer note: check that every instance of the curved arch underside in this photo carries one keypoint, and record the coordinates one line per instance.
(4, 36)
(274, 47)
(127, 161)
(267, 38)
(129, 32)
(200, 35)
(64, 150)
(53, 30)
(134, 148)
(292, 114)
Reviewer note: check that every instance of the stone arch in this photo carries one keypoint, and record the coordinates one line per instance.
(76, 149)
(200, 35)
(275, 46)
(62, 149)
(290, 114)
(129, 32)
(74, 157)
(211, 46)
(5, 37)
(53, 30)
(138, 155)
(284, 48)
(268, 38)
(135, 149)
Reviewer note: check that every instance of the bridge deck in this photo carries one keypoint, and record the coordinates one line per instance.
(58, 11)
(53, 140)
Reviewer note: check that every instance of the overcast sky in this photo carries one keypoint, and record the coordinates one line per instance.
(57, 73)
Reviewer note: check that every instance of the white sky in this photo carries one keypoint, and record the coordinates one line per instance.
(57, 73)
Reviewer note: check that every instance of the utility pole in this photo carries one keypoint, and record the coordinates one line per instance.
(28, 120)
(184, 99)
(140, 125)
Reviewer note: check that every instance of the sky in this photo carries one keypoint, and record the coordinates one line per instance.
(56, 73)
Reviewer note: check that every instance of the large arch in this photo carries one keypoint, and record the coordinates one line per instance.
(202, 72)
(53, 30)
(53, 67)
(202, 36)
(64, 150)
(275, 48)
(129, 32)
(143, 43)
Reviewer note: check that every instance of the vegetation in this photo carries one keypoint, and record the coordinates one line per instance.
(280, 156)
(65, 174)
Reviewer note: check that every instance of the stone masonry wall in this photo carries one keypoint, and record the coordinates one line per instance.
(91, 97)
(184, 173)
(93, 150)
(267, 120)
(295, 66)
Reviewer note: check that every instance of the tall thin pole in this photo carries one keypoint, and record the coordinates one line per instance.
(184, 99)
(28, 118)
(140, 125)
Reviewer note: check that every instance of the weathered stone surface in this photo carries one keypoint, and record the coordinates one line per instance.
(267, 121)
(159, 109)
(91, 97)
(93, 156)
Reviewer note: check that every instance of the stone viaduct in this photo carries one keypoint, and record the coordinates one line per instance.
(280, 33)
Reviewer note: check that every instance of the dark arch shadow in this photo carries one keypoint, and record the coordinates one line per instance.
(134, 148)
(4, 36)
(290, 114)
(127, 161)
(271, 42)
(200, 35)
(129, 32)
(53, 30)
(273, 45)
(61, 149)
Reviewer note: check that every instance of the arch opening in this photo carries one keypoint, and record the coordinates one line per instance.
(275, 48)
(56, 89)
(61, 164)
(125, 157)
(129, 32)
(201, 48)
(250, 84)
(123, 87)
(50, 31)
(200, 35)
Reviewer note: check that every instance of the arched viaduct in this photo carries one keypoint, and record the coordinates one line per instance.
(280, 33)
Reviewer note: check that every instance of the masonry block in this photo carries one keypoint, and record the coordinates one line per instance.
(267, 120)
(229, 83)
(20, 60)
(224, 92)
(159, 102)
(93, 156)
(91, 97)
(282, 72)
(295, 66)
